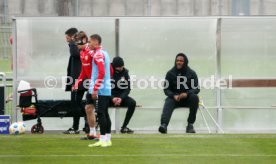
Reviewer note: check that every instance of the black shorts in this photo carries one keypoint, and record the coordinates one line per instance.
(89, 100)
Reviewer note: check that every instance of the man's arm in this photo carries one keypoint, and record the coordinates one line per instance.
(99, 61)
(194, 81)
(81, 77)
(74, 51)
(168, 90)
(126, 91)
(111, 71)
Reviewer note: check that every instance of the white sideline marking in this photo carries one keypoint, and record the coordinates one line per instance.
(160, 136)
(143, 155)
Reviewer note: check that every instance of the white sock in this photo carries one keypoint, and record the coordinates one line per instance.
(103, 138)
(93, 131)
(108, 137)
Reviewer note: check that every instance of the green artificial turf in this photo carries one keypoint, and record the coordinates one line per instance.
(140, 148)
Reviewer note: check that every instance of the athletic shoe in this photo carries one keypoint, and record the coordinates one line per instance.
(127, 130)
(190, 128)
(71, 131)
(106, 144)
(90, 137)
(163, 129)
(109, 143)
(101, 144)
(97, 144)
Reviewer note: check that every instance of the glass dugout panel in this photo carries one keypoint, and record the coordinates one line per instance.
(248, 47)
(149, 47)
(248, 52)
(42, 50)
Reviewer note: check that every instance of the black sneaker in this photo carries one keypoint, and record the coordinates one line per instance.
(163, 129)
(127, 130)
(190, 129)
(71, 131)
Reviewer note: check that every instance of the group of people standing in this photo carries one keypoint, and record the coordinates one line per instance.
(88, 61)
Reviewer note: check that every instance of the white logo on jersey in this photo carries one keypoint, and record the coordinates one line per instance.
(99, 57)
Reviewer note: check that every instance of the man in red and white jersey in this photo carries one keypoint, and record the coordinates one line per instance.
(86, 56)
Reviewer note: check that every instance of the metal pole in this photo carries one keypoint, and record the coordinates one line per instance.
(204, 119)
(117, 120)
(218, 73)
(14, 52)
(117, 37)
(217, 125)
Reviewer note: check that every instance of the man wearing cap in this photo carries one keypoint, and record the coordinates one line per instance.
(120, 91)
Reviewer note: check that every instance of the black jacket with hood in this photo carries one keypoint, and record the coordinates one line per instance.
(74, 66)
(123, 79)
(190, 86)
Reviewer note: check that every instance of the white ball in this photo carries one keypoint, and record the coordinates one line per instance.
(14, 128)
(17, 128)
(22, 127)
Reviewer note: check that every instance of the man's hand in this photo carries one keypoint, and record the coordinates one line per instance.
(176, 98)
(117, 101)
(79, 46)
(114, 100)
(183, 96)
(74, 89)
(94, 95)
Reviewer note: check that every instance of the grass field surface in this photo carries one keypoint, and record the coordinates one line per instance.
(140, 148)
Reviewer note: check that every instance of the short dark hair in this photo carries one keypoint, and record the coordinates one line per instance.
(71, 31)
(96, 37)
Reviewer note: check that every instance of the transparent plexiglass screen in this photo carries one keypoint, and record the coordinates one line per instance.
(42, 50)
(149, 47)
(248, 52)
(248, 47)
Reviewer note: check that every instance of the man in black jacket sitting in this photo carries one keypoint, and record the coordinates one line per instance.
(120, 91)
(182, 88)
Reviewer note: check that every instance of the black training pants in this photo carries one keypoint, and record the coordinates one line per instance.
(170, 104)
(130, 103)
(102, 113)
(78, 108)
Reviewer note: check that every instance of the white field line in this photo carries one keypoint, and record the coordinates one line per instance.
(160, 136)
(195, 136)
(142, 155)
